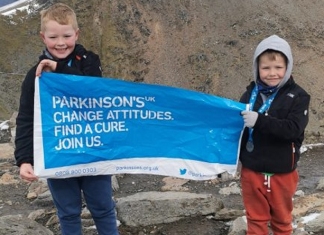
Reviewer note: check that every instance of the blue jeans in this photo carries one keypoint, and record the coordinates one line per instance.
(97, 191)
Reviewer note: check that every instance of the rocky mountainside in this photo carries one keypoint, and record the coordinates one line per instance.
(203, 45)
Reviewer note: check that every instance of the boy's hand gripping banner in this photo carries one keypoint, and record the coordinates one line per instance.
(90, 126)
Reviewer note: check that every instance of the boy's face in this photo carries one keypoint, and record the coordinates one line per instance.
(59, 39)
(272, 70)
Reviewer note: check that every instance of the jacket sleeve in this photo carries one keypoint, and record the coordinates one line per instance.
(245, 98)
(24, 122)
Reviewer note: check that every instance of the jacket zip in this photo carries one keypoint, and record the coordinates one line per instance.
(293, 155)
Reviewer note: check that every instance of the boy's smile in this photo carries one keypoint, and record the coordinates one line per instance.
(59, 39)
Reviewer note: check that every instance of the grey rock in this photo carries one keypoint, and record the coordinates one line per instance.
(164, 207)
(316, 225)
(238, 227)
(19, 225)
(5, 133)
(320, 185)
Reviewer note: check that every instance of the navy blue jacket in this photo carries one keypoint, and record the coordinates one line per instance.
(278, 134)
(83, 62)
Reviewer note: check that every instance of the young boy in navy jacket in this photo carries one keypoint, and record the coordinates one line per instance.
(60, 32)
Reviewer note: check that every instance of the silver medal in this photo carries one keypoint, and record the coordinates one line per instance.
(249, 146)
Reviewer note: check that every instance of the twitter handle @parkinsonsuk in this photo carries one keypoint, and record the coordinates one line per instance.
(198, 175)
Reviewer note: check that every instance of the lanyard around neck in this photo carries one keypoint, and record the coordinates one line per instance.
(266, 105)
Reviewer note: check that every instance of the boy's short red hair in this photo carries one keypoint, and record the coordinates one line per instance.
(60, 13)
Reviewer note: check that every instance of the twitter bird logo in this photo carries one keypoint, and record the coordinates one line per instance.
(183, 171)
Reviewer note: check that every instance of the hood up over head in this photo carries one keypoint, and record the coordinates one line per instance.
(278, 44)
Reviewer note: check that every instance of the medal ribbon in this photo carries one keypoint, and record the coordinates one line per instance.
(262, 109)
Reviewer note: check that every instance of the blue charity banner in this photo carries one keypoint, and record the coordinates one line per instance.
(89, 126)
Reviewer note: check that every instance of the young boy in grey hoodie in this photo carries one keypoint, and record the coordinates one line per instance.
(273, 135)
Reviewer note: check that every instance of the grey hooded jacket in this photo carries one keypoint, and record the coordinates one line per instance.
(279, 132)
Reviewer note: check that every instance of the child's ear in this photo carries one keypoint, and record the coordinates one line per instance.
(77, 32)
(42, 36)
